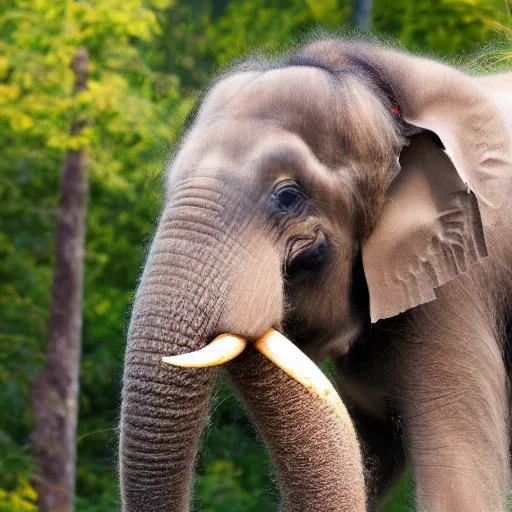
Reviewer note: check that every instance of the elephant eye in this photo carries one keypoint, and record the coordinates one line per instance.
(289, 198)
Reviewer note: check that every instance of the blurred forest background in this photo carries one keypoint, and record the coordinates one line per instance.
(149, 60)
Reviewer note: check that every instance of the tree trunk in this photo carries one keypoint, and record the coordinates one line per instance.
(55, 392)
(363, 13)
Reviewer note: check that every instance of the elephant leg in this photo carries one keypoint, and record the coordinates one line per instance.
(455, 413)
(383, 453)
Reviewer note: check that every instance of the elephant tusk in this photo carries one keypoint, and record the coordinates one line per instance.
(274, 346)
(284, 354)
(221, 350)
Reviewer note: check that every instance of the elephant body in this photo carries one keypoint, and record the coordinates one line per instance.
(431, 387)
(432, 384)
(357, 199)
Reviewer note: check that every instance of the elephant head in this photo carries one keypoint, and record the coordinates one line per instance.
(311, 195)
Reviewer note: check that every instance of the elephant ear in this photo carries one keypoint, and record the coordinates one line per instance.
(441, 99)
(473, 130)
(429, 231)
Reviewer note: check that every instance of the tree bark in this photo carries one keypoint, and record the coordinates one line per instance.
(363, 13)
(55, 392)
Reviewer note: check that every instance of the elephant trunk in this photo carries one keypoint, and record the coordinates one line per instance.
(209, 273)
(315, 449)
(176, 310)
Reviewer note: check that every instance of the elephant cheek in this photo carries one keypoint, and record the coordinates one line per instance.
(255, 301)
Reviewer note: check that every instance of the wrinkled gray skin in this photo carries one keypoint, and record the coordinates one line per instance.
(233, 253)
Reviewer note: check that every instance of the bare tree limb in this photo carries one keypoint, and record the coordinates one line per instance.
(55, 392)
(363, 13)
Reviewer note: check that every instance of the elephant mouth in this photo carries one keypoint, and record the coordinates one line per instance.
(278, 349)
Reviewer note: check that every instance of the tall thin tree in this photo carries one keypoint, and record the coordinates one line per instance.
(363, 13)
(55, 392)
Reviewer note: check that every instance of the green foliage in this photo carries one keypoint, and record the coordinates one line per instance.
(234, 473)
(21, 499)
(241, 27)
(442, 26)
(16, 492)
(131, 112)
(149, 59)
(401, 499)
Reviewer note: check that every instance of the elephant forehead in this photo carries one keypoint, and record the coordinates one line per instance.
(338, 115)
(305, 111)
(306, 91)
(300, 100)
(252, 151)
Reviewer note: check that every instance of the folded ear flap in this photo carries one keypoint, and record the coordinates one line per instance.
(430, 229)
(429, 232)
(473, 130)
(441, 99)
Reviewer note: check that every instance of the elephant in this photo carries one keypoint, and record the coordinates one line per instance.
(355, 198)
